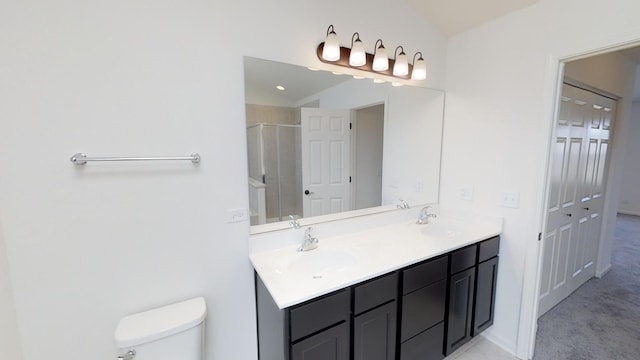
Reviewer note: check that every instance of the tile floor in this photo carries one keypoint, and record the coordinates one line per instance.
(480, 348)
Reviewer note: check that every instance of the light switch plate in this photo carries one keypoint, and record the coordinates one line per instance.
(236, 215)
(510, 199)
(466, 193)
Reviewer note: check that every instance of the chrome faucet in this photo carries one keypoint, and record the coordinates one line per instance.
(424, 216)
(309, 242)
(293, 223)
(403, 205)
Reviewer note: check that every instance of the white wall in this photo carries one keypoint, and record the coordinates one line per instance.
(501, 86)
(630, 196)
(90, 245)
(10, 347)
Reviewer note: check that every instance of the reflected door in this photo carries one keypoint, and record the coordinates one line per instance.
(325, 161)
(576, 200)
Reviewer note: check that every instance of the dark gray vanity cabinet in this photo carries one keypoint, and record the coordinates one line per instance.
(318, 329)
(461, 293)
(375, 311)
(472, 290)
(360, 319)
(424, 294)
(486, 279)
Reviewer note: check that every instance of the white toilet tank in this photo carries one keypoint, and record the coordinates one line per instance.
(173, 332)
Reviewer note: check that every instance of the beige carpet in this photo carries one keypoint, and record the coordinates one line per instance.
(600, 320)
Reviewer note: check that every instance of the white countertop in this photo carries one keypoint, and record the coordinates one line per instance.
(293, 277)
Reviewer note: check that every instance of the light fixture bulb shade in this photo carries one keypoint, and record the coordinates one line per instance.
(381, 59)
(358, 56)
(419, 70)
(401, 66)
(331, 49)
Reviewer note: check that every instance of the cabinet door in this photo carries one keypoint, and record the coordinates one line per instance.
(331, 344)
(374, 334)
(460, 314)
(485, 295)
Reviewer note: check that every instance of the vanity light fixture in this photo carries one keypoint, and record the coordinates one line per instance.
(401, 66)
(331, 50)
(357, 58)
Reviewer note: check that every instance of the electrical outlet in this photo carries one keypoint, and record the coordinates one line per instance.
(510, 199)
(466, 193)
(236, 215)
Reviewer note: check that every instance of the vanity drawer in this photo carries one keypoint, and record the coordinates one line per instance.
(463, 259)
(424, 274)
(423, 309)
(488, 249)
(425, 346)
(375, 292)
(319, 314)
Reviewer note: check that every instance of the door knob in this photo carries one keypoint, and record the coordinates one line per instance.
(307, 192)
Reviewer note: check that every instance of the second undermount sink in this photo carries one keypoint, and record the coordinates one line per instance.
(320, 262)
(442, 228)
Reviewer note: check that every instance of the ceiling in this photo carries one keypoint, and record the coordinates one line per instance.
(452, 17)
(299, 82)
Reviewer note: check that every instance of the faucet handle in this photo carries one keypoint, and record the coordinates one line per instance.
(307, 233)
(293, 223)
(403, 205)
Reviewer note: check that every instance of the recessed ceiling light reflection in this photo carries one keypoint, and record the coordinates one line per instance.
(280, 87)
(358, 77)
(378, 81)
(396, 84)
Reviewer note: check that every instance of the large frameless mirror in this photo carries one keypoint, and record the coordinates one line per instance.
(320, 143)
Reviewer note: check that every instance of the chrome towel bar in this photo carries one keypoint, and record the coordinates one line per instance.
(81, 159)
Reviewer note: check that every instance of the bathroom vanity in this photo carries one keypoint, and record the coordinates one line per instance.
(400, 291)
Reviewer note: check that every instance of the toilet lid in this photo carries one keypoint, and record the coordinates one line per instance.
(151, 325)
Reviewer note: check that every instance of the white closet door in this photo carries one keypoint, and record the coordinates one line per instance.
(574, 212)
(325, 161)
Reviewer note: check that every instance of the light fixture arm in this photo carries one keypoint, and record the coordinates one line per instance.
(354, 38)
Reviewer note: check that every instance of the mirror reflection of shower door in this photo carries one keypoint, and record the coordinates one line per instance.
(325, 161)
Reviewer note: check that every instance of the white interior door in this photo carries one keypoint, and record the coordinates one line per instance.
(326, 150)
(576, 199)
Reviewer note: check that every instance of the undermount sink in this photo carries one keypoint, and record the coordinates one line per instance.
(442, 229)
(320, 262)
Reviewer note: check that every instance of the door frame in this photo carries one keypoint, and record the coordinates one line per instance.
(554, 77)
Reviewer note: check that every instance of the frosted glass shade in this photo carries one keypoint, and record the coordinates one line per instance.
(357, 56)
(381, 60)
(331, 50)
(401, 66)
(419, 70)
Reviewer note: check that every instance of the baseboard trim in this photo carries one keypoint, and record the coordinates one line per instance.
(627, 212)
(603, 272)
(500, 342)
